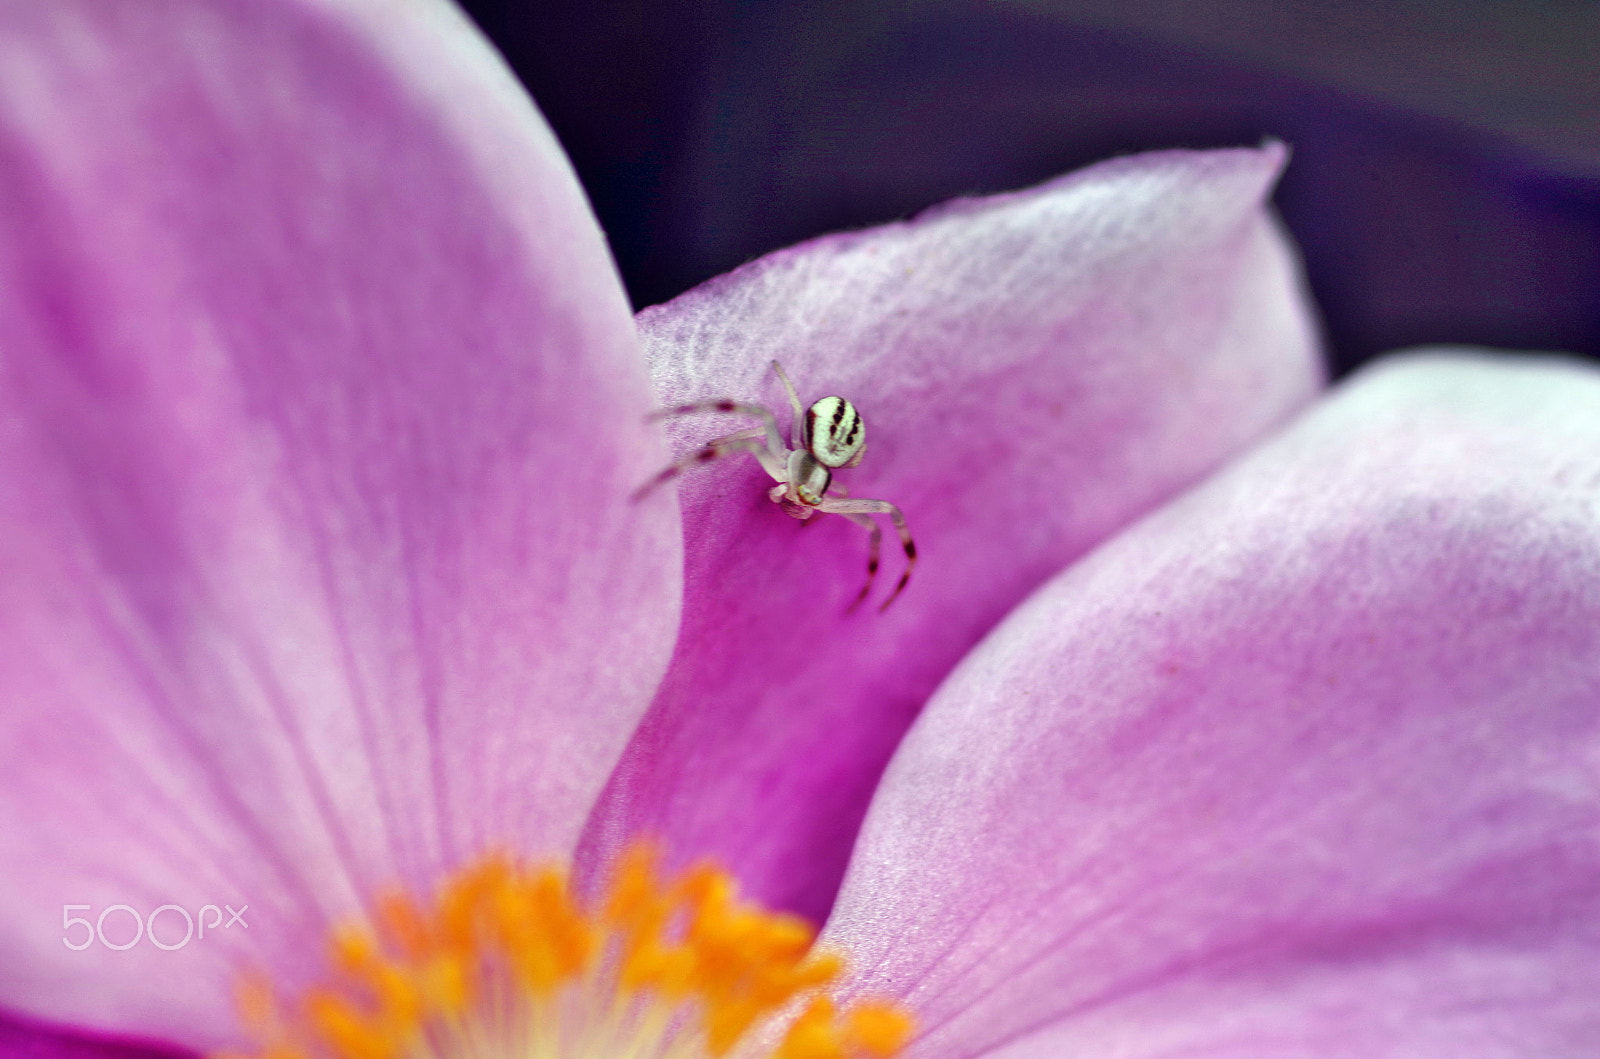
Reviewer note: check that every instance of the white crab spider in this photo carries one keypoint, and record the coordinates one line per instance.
(826, 437)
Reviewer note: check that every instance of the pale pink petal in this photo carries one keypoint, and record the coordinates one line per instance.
(321, 405)
(1034, 371)
(1305, 764)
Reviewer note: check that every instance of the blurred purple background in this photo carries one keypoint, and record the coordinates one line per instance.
(1445, 185)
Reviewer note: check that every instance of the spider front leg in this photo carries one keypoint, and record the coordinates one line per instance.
(857, 511)
(769, 422)
(763, 442)
(714, 450)
(797, 429)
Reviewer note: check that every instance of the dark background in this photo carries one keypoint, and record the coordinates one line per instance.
(1445, 184)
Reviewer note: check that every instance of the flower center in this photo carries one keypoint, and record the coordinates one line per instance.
(506, 964)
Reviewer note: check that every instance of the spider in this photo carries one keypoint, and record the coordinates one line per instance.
(828, 436)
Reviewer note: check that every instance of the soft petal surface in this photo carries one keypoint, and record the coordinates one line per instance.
(25, 1040)
(1034, 370)
(1306, 764)
(320, 408)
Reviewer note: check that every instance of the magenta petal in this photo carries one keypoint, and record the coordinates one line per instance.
(1034, 370)
(1305, 764)
(21, 1040)
(320, 408)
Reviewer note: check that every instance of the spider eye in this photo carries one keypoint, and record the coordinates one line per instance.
(835, 433)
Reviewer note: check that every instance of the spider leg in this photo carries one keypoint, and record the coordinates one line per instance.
(865, 507)
(874, 544)
(769, 422)
(747, 432)
(797, 430)
(714, 450)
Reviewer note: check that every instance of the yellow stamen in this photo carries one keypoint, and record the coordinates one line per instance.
(505, 962)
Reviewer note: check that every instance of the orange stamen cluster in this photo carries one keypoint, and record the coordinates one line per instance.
(506, 962)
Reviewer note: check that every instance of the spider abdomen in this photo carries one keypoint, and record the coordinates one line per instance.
(835, 433)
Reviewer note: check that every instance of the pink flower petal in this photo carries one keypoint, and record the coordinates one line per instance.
(1034, 370)
(19, 1040)
(321, 406)
(1305, 764)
